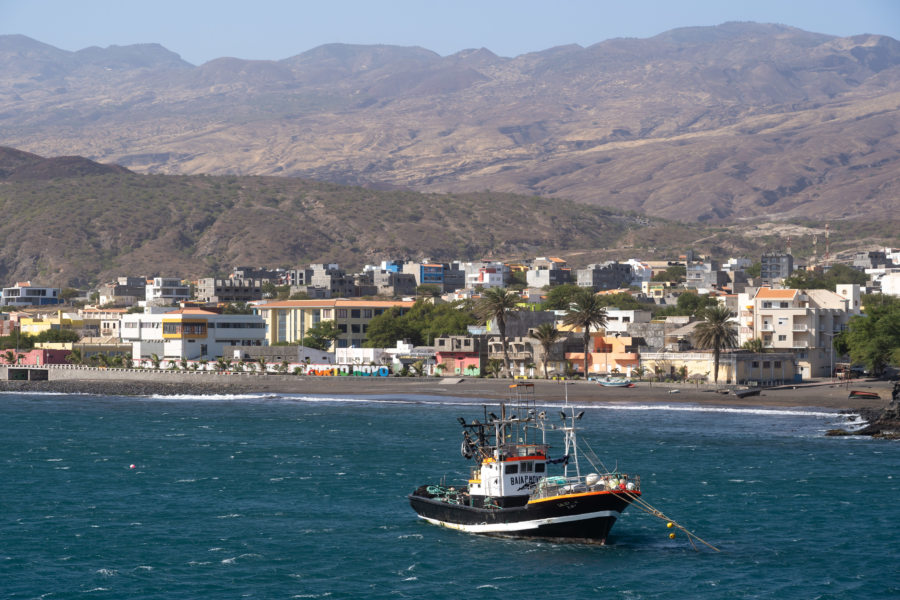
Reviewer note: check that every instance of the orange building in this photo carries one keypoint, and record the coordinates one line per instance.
(610, 354)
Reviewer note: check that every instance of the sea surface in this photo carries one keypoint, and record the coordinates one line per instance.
(305, 497)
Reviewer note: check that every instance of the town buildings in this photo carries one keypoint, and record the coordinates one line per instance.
(288, 321)
(189, 333)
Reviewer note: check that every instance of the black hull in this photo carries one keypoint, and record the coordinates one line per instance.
(585, 518)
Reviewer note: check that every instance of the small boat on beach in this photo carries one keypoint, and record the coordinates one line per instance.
(745, 393)
(512, 493)
(615, 382)
(862, 395)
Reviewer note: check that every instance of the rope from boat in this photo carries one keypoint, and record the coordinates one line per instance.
(652, 510)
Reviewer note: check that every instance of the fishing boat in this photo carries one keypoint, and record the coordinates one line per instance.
(511, 491)
(863, 395)
(615, 382)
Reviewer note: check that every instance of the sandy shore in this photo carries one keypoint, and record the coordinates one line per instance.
(823, 395)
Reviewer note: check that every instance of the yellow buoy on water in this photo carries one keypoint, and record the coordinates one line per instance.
(670, 524)
(672, 536)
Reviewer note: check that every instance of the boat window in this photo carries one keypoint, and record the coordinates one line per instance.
(527, 466)
(539, 467)
(510, 469)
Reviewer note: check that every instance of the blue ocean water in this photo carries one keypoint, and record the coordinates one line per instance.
(304, 497)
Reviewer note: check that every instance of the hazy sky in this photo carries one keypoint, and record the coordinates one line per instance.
(200, 30)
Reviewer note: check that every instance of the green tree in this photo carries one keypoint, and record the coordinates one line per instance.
(496, 304)
(874, 338)
(546, 334)
(494, 367)
(68, 293)
(387, 328)
(715, 331)
(237, 308)
(622, 301)
(754, 270)
(268, 289)
(322, 335)
(586, 311)
(57, 336)
(561, 296)
(428, 290)
(827, 280)
(673, 274)
(155, 360)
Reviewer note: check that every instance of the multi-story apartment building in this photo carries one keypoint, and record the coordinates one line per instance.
(775, 266)
(190, 333)
(548, 271)
(211, 289)
(803, 322)
(126, 291)
(166, 291)
(289, 320)
(605, 276)
(25, 294)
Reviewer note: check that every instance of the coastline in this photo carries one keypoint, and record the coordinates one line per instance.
(822, 395)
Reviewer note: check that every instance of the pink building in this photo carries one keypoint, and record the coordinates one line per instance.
(36, 357)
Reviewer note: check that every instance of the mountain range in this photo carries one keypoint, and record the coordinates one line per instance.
(727, 124)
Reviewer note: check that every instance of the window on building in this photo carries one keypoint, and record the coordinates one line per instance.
(342, 327)
(367, 313)
(766, 364)
(755, 364)
(782, 338)
(326, 314)
(784, 305)
(777, 364)
(341, 313)
(355, 313)
(355, 328)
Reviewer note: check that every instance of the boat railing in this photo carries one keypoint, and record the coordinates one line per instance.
(558, 485)
(524, 450)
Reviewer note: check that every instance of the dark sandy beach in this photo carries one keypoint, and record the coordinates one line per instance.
(822, 395)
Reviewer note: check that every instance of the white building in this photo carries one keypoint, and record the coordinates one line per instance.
(643, 272)
(803, 322)
(618, 320)
(25, 294)
(166, 290)
(190, 333)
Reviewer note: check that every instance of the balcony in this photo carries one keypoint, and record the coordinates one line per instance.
(800, 327)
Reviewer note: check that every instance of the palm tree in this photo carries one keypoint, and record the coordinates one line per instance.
(715, 331)
(546, 334)
(494, 366)
(10, 357)
(75, 357)
(155, 360)
(586, 311)
(495, 304)
(754, 345)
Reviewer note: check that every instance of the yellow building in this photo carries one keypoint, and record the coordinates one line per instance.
(40, 323)
(735, 367)
(289, 320)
